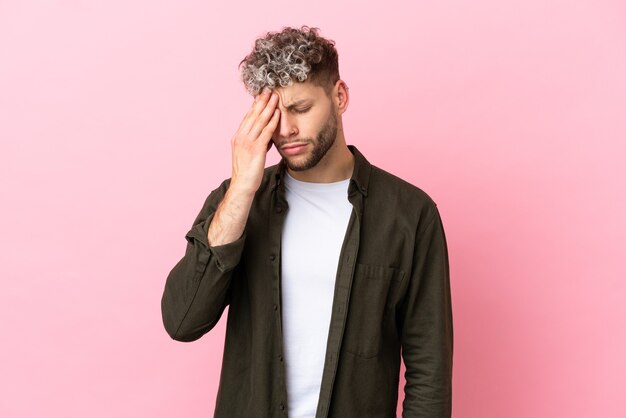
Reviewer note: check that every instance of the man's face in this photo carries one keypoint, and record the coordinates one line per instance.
(308, 118)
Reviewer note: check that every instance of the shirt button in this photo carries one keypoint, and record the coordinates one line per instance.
(282, 407)
(272, 257)
(279, 209)
(275, 307)
(280, 357)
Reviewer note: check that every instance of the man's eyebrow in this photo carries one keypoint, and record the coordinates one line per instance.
(296, 103)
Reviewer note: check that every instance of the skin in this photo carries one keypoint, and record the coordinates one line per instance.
(322, 117)
(272, 119)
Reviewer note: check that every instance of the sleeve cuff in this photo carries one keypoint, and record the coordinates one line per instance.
(226, 256)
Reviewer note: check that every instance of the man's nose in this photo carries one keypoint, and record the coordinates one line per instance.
(286, 126)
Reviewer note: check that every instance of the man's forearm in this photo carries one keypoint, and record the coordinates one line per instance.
(230, 217)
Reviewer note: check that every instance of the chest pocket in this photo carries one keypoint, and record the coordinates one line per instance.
(369, 318)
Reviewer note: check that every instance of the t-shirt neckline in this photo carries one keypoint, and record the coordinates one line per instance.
(336, 185)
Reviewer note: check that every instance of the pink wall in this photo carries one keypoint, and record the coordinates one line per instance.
(115, 121)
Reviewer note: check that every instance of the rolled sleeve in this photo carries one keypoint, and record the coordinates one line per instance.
(199, 287)
(226, 256)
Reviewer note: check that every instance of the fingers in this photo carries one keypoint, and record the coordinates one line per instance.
(266, 133)
(264, 117)
(257, 107)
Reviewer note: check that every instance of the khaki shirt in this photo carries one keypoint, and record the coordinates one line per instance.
(392, 298)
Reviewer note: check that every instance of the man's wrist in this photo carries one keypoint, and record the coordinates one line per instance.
(238, 191)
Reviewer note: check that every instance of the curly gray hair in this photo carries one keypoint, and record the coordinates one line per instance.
(280, 58)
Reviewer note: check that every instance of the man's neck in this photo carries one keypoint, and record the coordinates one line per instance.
(337, 165)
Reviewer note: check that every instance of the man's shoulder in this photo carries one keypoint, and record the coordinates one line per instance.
(384, 183)
(405, 197)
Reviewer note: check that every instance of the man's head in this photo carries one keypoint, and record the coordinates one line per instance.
(302, 68)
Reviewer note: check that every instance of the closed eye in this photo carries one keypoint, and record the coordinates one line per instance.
(302, 110)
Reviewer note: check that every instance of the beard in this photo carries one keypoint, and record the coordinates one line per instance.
(323, 142)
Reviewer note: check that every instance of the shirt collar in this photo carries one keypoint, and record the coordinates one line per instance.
(360, 173)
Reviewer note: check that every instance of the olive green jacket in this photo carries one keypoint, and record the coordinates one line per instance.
(392, 298)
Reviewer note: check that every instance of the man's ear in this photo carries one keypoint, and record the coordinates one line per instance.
(342, 96)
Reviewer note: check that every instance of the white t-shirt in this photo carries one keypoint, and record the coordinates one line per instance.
(313, 233)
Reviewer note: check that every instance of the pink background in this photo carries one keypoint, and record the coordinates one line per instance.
(115, 122)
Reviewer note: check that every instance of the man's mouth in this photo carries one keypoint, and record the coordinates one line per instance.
(293, 145)
(295, 148)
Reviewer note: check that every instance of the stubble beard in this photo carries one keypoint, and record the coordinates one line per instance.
(323, 142)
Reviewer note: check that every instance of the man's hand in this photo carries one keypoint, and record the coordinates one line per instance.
(250, 145)
(253, 140)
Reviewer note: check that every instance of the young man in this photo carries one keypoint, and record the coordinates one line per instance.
(332, 268)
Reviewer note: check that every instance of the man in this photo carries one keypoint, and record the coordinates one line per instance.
(332, 268)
